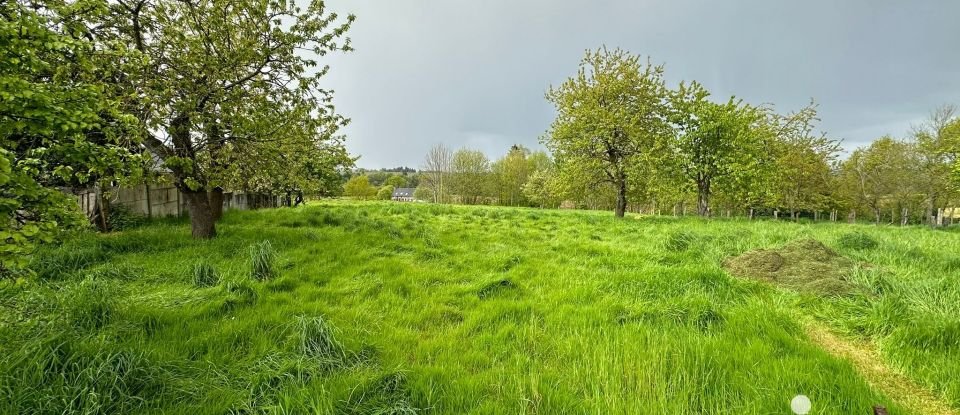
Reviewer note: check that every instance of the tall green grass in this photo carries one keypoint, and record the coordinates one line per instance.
(421, 308)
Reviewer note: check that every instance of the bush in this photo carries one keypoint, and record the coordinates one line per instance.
(385, 192)
(263, 260)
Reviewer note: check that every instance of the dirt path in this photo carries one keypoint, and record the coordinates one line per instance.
(868, 362)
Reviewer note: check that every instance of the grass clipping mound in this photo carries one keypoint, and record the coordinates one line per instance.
(804, 265)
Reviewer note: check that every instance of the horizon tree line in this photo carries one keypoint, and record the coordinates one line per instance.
(623, 140)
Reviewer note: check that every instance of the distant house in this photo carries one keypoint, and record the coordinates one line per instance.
(403, 194)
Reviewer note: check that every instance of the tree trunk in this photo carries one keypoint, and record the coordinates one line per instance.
(216, 203)
(149, 204)
(621, 198)
(703, 197)
(201, 214)
(876, 213)
(198, 201)
(102, 215)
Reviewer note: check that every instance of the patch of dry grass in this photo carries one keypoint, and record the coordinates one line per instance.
(866, 359)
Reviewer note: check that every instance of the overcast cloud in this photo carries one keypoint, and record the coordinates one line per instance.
(473, 73)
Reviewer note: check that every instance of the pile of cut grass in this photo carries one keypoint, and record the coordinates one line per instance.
(804, 265)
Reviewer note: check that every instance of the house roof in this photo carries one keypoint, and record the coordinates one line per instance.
(403, 192)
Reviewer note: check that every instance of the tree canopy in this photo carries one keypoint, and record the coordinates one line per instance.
(60, 126)
(228, 87)
(611, 115)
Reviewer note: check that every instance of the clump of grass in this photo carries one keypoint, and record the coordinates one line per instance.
(804, 265)
(509, 263)
(495, 288)
(91, 303)
(240, 292)
(55, 263)
(263, 260)
(679, 241)
(696, 313)
(952, 264)
(857, 240)
(64, 375)
(387, 394)
(117, 272)
(318, 340)
(285, 284)
(879, 317)
(933, 335)
(204, 275)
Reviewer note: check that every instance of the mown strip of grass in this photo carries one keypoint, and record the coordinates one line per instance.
(402, 308)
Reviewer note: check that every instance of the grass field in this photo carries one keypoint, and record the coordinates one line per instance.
(380, 308)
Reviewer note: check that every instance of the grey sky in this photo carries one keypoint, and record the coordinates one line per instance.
(473, 73)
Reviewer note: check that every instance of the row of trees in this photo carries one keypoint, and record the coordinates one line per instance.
(623, 139)
(468, 176)
(217, 94)
(620, 127)
(465, 176)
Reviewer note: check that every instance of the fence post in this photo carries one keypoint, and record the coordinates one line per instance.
(149, 204)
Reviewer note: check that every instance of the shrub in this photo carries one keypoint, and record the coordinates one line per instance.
(263, 260)
(204, 275)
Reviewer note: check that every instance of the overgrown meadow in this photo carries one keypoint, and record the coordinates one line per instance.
(343, 307)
